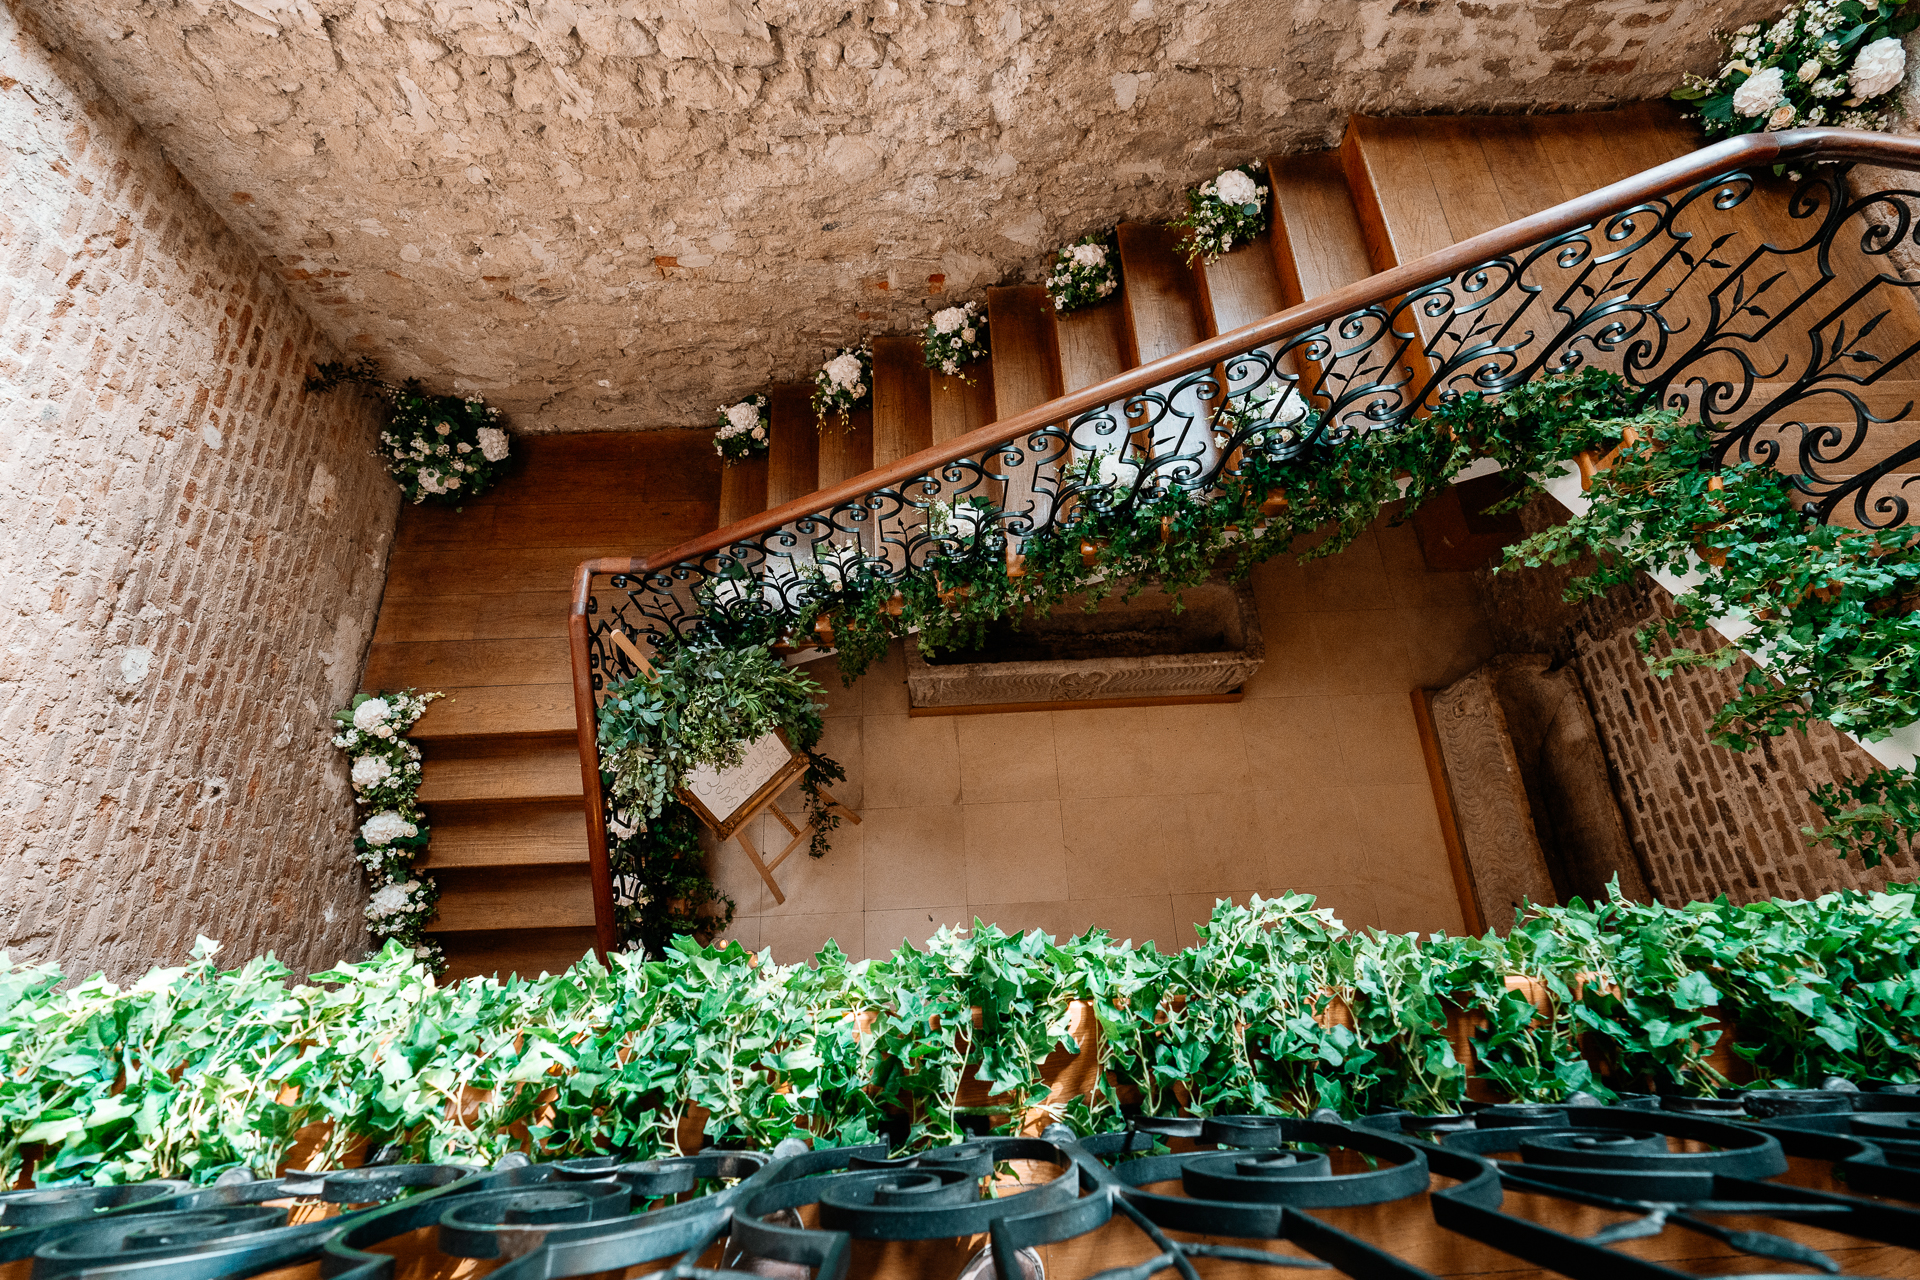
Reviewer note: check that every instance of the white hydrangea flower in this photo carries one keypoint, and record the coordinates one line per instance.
(1761, 91)
(391, 899)
(844, 370)
(493, 443)
(1235, 187)
(431, 482)
(385, 827)
(743, 416)
(371, 714)
(370, 771)
(1877, 69)
(1829, 88)
(949, 320)
(1089, 255)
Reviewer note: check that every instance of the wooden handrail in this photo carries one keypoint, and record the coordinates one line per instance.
(1747, 151)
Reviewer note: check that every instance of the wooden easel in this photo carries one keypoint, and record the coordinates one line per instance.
(734, 825)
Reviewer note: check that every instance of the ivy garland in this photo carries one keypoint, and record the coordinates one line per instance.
(442, 447)
(194, 1071)
(386, 785)
(700, 706)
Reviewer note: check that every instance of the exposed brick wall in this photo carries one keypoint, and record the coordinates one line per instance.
(191, 556)
(1704, 820)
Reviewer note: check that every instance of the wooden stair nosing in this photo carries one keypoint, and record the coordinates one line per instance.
(793, 452)
(902, 400)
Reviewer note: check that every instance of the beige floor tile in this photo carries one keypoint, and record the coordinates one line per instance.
(1015, 852)
(844, 741)
(840, 700)
(1414, 904)
(1007, 757)
(1354, 579)
(1397, 827)
(1379, 739)
(1105, 752)
(1447, 643)
(914, 762)
(1053, 917)
(833, 882)
(914, 858)
(1305, 836)
(1222, 844)
(1290, 741)
(733, 875)
(1280, 586)
(1119, 845)
(887, 930)
(1363, 650)
(744, 930)
(1140, 920)
(1292, 666)
(794, 939)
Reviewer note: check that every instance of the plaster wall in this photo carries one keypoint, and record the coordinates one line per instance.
(617, 214)
(191, 556)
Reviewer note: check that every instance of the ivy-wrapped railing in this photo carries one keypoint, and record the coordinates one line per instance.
(1648, 277)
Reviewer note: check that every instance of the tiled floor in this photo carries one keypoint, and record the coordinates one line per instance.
(1138, 820)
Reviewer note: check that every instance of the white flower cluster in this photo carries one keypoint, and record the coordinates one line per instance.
(843, 382)
(443, 446)
(1083, 273)
(1789, 74)
(742, 430)
(955, 337)
(385, 772)
(1228, 210)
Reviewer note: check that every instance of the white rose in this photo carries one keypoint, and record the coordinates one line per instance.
(759, 433)
(370, 770)
(1089, 255)
(430, 481)
(442, 428)
(1809, 71)
(463, 448)
(949, 320)
(385, 827)
(743, 416)
(966, 335)
(1235, 187)
(1878, 68)
(493, 443)
(1782, 116)
(368, 715)
(1760, 92)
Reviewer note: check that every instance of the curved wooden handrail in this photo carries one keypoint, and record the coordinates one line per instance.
(1744, 152)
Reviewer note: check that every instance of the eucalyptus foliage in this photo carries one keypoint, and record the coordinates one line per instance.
(193, 1071)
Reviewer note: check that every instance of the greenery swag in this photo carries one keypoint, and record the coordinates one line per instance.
(393, 837)
(442, 447)
(700, 705)
(192, 1071)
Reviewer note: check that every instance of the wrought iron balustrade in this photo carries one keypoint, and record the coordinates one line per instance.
(1639, 1190)
(1786, 344)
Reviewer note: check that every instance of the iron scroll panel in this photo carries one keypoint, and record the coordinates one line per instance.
(1252, 1180)
(1786, 347)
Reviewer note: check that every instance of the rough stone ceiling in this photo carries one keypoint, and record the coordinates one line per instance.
(611, 214)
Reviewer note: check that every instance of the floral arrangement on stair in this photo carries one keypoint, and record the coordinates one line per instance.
(444, 447)
(955, 337)
(700, 705)
(743, 427)
(1277, 1008)
(843, 384)
(393, 836)
(1822, 62)
(1222, 212)
(1085, 272)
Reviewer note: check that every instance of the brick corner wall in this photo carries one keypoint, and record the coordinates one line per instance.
(194, 549)
(1704, 820)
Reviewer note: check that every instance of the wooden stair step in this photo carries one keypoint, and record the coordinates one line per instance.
(508, 835)
(1164, 315)
(962, 402)
(793, 447)
(846, 448)
(473, 617)
(1316, 239)
(543, 897)
(743, 490)
(461, 771)
(497, 711)
(495, 571)
(1240, 287)
(902, 400)
(526, 952)
(1093, 343)
(1026, 353)
(435, 664)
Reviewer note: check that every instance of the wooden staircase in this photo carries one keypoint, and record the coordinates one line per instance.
(476, 601)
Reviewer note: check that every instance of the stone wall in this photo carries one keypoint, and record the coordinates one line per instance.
(617, 214)
(191, 557)
(1704, 820)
